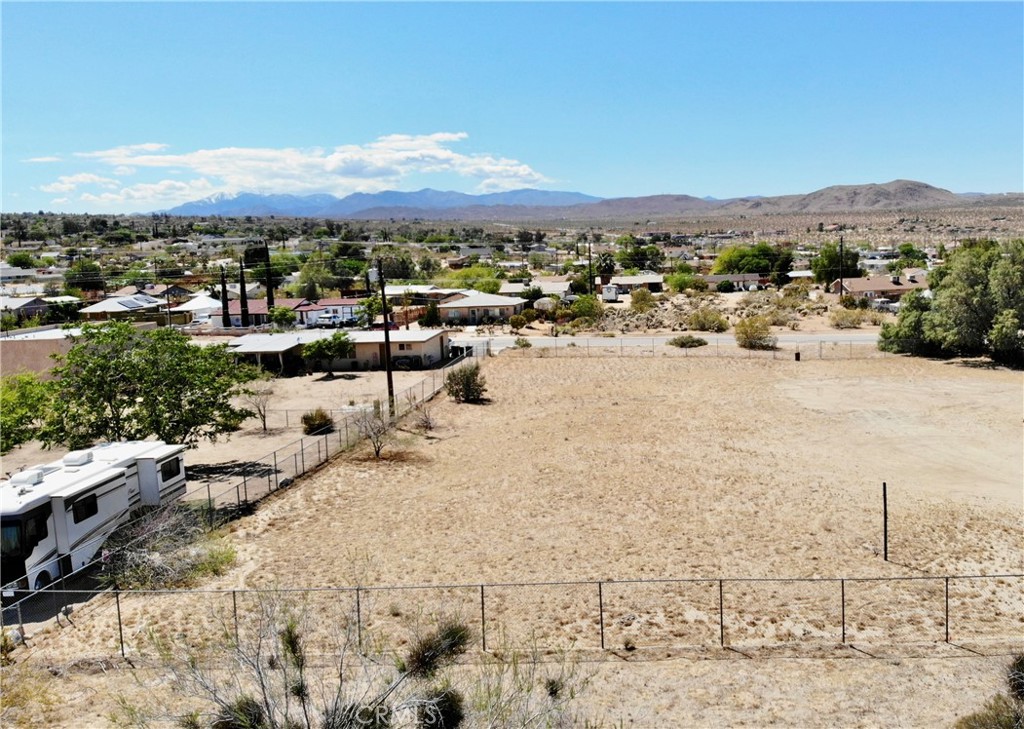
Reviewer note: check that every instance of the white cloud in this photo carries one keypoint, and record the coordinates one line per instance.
(381, 164)
(70, 183)
(44, 159)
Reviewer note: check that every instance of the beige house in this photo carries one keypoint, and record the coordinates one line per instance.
(410, 349)
(882, 287)
(478, 307)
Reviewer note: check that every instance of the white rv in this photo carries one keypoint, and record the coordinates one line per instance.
(609, 293)
(55, 518)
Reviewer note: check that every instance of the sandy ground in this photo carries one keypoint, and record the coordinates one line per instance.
(618, 469)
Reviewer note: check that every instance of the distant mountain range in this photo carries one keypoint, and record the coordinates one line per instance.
(540, 205)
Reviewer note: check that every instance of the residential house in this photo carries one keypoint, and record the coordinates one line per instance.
(477, 307)
(138, 306)
(259, 315)
(742, 281)
(283, 351)
(23, 308)
(653, 282)
(174, 292)
(882, 287)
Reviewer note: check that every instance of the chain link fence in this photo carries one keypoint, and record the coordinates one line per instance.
(976, 610)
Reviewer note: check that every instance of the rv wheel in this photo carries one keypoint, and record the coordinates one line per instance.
(42, 580)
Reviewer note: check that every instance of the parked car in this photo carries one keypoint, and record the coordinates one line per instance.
(331, 321)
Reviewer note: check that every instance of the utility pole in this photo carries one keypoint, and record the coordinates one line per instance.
(590, 265)
(387, 340)
(840, 267)
(167, 300)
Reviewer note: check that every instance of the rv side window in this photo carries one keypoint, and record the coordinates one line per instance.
(83, 509)
(170, 469)
(35, 530)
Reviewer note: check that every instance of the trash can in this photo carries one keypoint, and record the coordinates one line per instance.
(796, 356)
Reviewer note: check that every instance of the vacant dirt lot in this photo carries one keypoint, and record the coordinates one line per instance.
(617, 469)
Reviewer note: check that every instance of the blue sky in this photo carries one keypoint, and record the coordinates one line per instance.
(111, 107)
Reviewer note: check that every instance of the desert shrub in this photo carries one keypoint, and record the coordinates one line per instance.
(687, 341)
(1002, 711)
(680, 282)
(706, 319)
(1015, 678)
(641, 300)
(779, 316)
(754, 332)
(877, 318)
(846, 318)
(317, 422)
(517, 322)
(443, 707)
(725, 287)
(245, 713)
(587, 306)
(169, 547)
(530, 315)
(582, 322)
(847, 301)
(465, 384)
(522, 343)
(999, 712)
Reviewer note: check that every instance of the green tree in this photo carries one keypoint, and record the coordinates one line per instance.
(120, 383)
(282, 317)
(24, 398)
(327, 349)
(907, 334)
(315, 278)
(963, 307)
(826, 264)
(910, 257)
(587, 306)
(21, 259)
(604, 264)
(432, 317)
(85, 275)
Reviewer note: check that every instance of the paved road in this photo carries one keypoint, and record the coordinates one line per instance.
(789, 339)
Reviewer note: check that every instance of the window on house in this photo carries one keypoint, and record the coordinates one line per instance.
(84, 508)
(404, 347)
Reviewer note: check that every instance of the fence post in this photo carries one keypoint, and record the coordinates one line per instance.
(721, 615)
(120, 629)
(885, 522)
(234, 610)
(359, 622)
(842, 598)
(302, 453)
(209, 505)
(21, 622)
(277, 477)
(286, 423)
(245, 485)
(600, 610)
(483, 621)
(947, 609)
(346, 432)
(318, 460)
